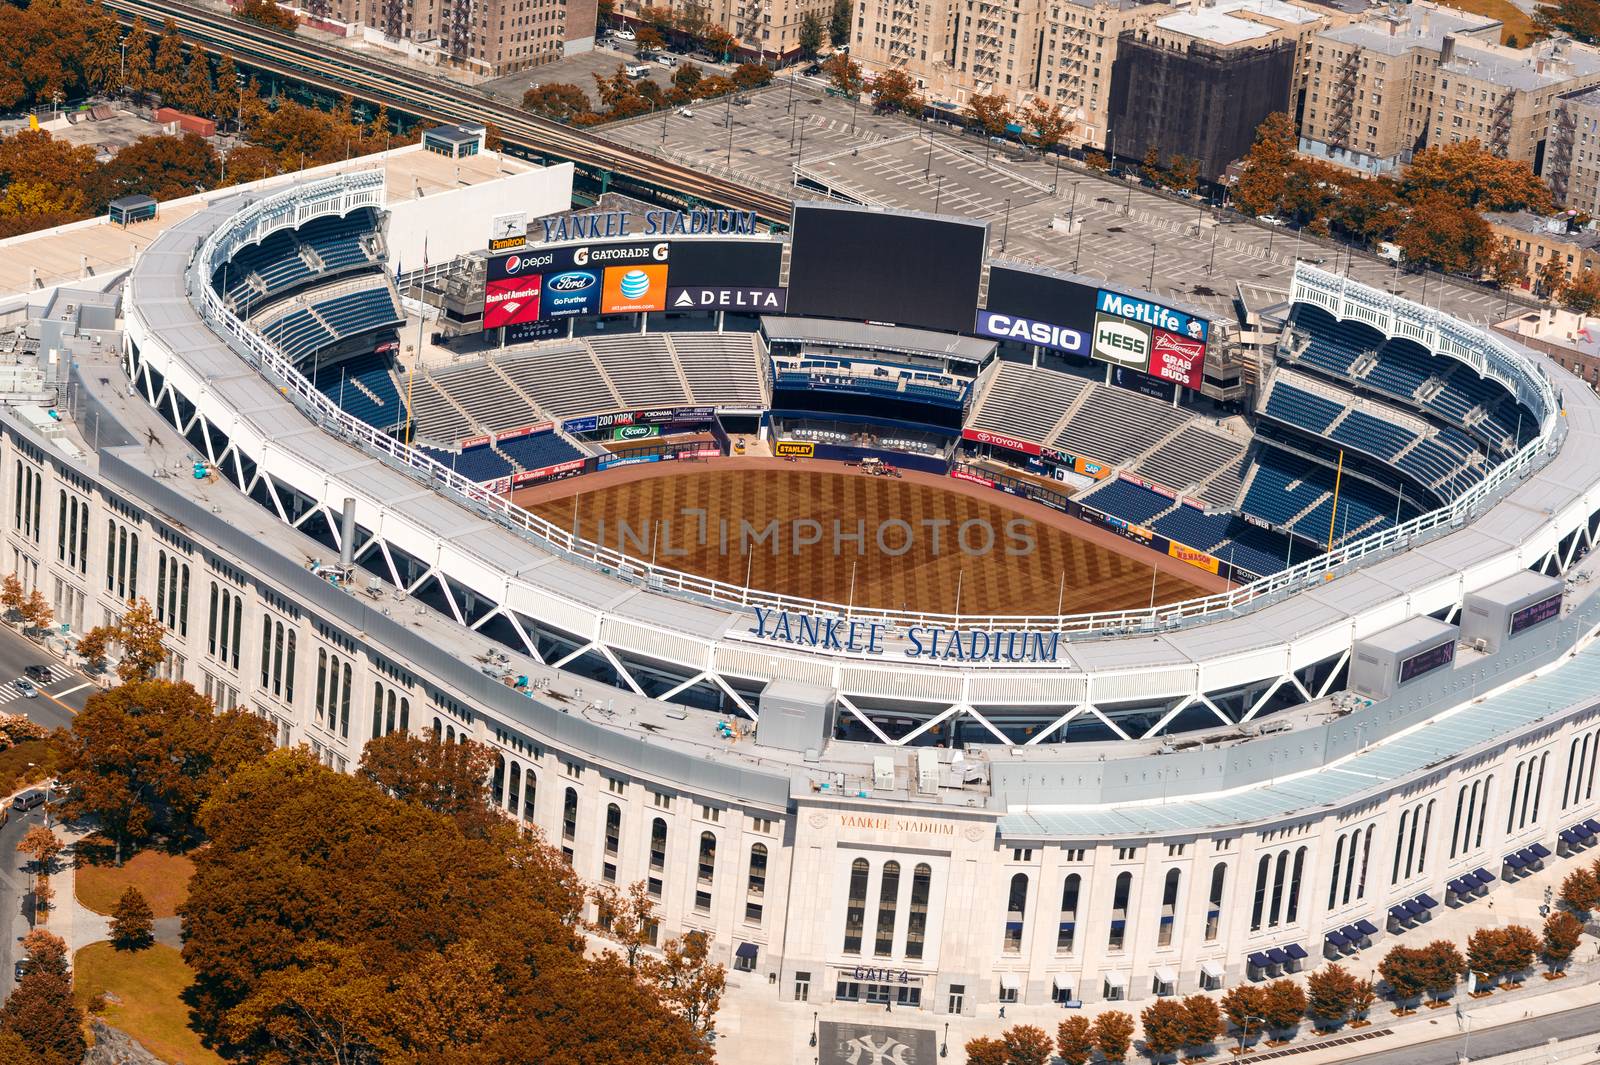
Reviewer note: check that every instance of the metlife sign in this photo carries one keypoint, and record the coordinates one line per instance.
(1028, 331)
(1151, 314)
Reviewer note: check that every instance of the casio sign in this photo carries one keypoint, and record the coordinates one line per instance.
(1121, 342)
(1009, 327)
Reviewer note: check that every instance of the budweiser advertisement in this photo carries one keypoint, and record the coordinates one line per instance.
(1177, 358)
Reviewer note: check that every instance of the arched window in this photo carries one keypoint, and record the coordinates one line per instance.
(917, 919)
(658, 844)
(1293, 913)
(613, 828)
(1427, 830)
(530, 792)
(758, 869)
(1068, 930)
(855, 913)
(1119, 911)
(498, 787)
(514, 791)
(1483, 809)
(449, 734)
(377, 709)
(1338, 864)
(1016, 912)
(389, 717)
(1169, 907)
(438, 727)
(1538, 787)
(707, 867)
(569, 814)
(1455, 826)
(405, 715)
(1280, 875)
(1572, 769)
(1219, 880)
(1399, 846)
(888, 899)
(1256, 908)
(1516, 790)
(1350, 866)
(1366, 852)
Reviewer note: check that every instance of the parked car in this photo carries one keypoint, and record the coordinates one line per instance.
(624, 33)
(1271, 220)
(31, 799)
(637, 70)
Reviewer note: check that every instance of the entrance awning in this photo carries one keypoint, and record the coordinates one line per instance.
(1061, 982)
(747, 951)
(1116, 980)
(1166, 975)
(1009, 982)
(1212, 969)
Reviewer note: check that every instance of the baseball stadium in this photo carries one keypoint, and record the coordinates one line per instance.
(849, 578)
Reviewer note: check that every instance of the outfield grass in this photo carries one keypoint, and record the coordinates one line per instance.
(1514, 21)
(162, 878)
(147, 986)
(14, 771)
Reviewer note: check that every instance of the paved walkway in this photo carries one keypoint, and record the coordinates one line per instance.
(70, 919)
(757, 1024)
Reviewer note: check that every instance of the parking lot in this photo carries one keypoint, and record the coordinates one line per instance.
(1057, 215)
(577, 70)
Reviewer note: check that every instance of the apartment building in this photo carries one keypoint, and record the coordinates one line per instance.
(1572, 164)
(1540, 240)
(1381, 89)
(489, 37)
(1199, 81)
(764, 30)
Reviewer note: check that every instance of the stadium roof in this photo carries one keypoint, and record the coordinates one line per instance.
(877, 337)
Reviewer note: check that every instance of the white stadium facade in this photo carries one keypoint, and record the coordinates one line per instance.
(1192, 796)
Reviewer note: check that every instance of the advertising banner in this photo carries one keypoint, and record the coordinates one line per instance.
(963, 475)
(628, 460)
(507, 231)
(794, 449)
(525, 332)
(1091, 469)
(1119, 341)
(721, 298)
(1144, 384)
(587, 424)
(1029, 331)
(570, 468)
(635, 432)
(571, 293)
(1010, 443)
(1152, 314)
(634, 289)
(511, 301)
(1178, 359)
(523, 430)
(1195, 558)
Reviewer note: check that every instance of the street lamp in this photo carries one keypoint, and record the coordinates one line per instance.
(1244, 1033)
(939, 194)
(944, 1047)
(1150, 284)
(813, 1027)
(1006, 227)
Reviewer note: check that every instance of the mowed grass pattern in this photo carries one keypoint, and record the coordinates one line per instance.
(163, 879)
(1087, 576)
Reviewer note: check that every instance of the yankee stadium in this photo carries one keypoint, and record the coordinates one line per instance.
(933, 629)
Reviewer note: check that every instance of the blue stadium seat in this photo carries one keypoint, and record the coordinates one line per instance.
(1128, 501)
(1334, 345)
(353, 383)
(1194, 528)
(1372, 435)
(1261, 551)
(541, 449)
(1284, 485)
(1402, 367)
(1298, 407)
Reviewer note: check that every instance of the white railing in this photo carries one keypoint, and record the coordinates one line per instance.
(281, 370)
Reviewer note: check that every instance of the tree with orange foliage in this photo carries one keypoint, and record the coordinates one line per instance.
(1113, 1035)
(447, 778)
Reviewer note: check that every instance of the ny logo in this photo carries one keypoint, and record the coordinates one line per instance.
(864, 1051)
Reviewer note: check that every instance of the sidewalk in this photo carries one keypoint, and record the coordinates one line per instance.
(69, 918)
(759, 1023)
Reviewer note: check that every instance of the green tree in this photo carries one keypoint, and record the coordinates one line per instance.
(196, 94)
(810, 35)
(839, 23)
(985, 1050)
(1331, 993)
(1581, 292)
(139, 77)
(1579, 18)
(267, 13)
(1163, 1022)
(1183, 173)
(102, 63)
(226, 103)
(895, 90)
(751, 75)
(558, 100)
(448, 948)
(649, 39)
(145, 756)
(1404, 969)
(1442, 967)
(1045, 122)
(844, 74)
(1263, 183)
(138, 633)
(1246, 1007)
(1475, 177)
(1518, 949)
(1283, 1004)
(1075, 1040)
(686, 77)
(1113, 1035)
(1580, 891)
(133, 923)
(990, 112)
(42, 1014)
(1202, 1021)
(1562, 933)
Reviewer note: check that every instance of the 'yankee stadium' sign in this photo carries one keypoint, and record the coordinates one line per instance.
(823, 632)
(601, 225)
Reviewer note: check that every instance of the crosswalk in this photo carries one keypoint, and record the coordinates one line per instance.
(16, 689)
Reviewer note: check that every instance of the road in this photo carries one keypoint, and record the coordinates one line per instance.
(58, 701)
(1502, 1039)
(437, 98)
(14, 923)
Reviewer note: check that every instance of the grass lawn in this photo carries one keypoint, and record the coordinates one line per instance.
(14, 771)
(163, 879)
(1514, 21)
(148, 986)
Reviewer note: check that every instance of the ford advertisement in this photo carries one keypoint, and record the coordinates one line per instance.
(571, 293)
